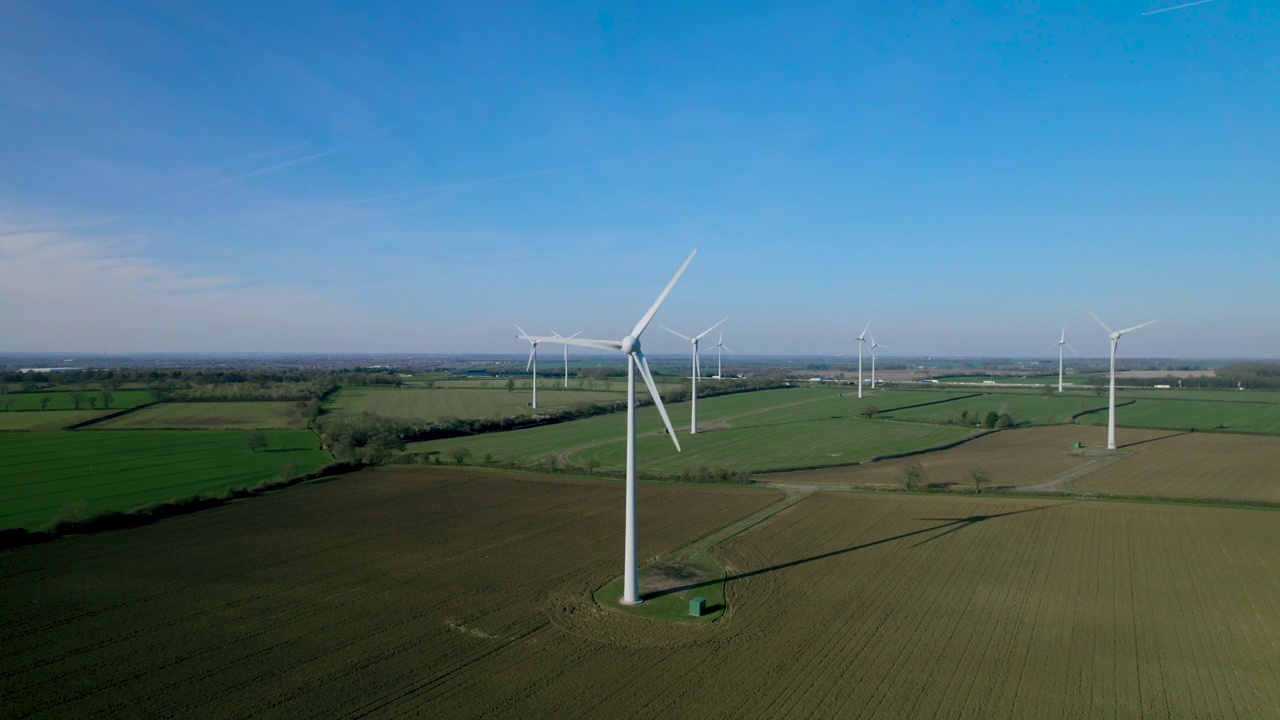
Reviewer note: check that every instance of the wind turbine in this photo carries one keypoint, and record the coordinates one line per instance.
(1060, 344)
(630, 346)
(721, 346)
(1115, 338)
(533, 361)
(874, 345)
(697, 371)
(861, 341)
(566, 356)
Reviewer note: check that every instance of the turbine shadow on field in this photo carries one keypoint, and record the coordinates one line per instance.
(1154, 439)
(952, 525)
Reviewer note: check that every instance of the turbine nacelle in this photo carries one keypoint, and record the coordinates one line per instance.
(630, 345)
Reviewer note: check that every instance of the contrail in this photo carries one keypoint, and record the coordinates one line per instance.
(1177, 7)
(210, 186)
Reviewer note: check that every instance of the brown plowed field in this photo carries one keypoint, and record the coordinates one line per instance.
(444, 593)
(1013, 457)
(1210, 466)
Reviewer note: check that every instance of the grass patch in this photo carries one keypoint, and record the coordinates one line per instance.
(79, 474)
(667, 590)
(210, 416)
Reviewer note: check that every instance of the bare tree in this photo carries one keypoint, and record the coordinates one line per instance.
(979, 477)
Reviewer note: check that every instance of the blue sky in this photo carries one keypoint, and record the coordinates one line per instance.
(417, 177)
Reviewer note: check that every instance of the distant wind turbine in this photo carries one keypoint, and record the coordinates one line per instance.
(697, 371)
(862, 340)
(1115, 338)
(566, 356)
(721, 346)
(1061, 344)
(630, 346)
(874, 345)
(533, 361)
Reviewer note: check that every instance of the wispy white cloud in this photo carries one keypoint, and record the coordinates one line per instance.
(66, 292)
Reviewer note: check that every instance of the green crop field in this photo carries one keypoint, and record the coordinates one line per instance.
(62, 400)
(433, 404)
(46, 419)
(1255, 396)
(1262, 417)
(209, 416)
(757, 430)
(42, 472)
(1037, 408)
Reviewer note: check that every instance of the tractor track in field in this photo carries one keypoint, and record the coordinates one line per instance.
(1058, 483)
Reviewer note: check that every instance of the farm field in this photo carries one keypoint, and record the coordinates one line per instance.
(1194, 414)
(62, 400)
(1038, 409)
(209, 416)
(433, 404)
(1014, 458)
(1253, 396)
(460, 593)
(42, 472)
(1210, 466)
(765, 429)
(46, 419)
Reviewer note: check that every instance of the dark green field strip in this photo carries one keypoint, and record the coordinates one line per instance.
(1176, 393)
(61, 400)
(42, 472)
(46, 419)
(1261, 418)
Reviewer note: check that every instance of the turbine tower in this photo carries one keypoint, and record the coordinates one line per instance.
(862, 340)
(630, 346)
(566, 357)
(1115, 338)
(874, 345)
(1060, 344)
(533, 362)
(721, 346)
(697, 371)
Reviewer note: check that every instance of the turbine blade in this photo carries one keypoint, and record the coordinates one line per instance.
(653, 393)
(679, 335)
(644, 321)
(533, 350)
(1104, 325)
(1054, 346)
(1071, 348)
(1135, 327)
(713, 327)
(1064, 335)
(576, 334)
(611, 345)
(523, 335)
(864, 331)
(726, 347)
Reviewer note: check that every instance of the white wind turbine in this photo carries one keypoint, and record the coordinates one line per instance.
(697, 371)
(533, 361)
(720, 346)
(630, 346)
(1061, 344)
(1115, 338)
(566, 356)
(862, 340)
(874, 345)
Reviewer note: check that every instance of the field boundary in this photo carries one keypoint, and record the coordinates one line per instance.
(111, 416)
(153, 512)
(888, 456)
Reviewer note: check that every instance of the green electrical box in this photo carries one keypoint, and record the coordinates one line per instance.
(697, 606)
